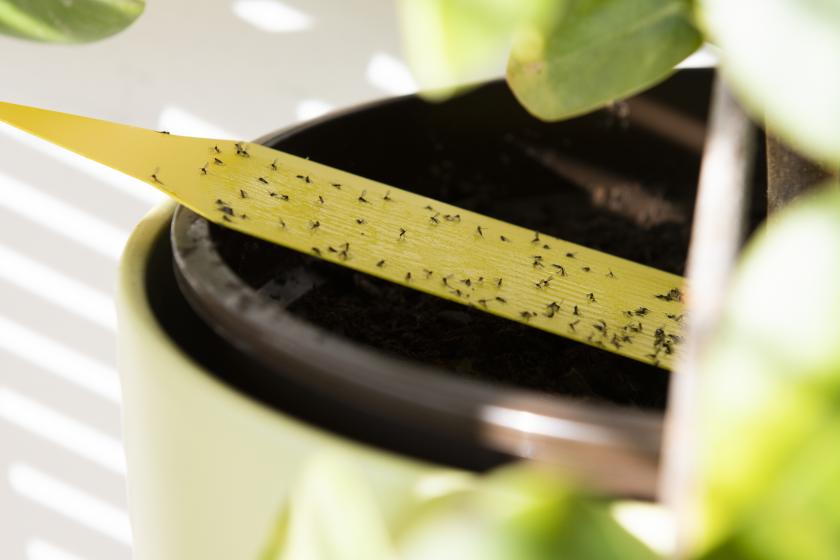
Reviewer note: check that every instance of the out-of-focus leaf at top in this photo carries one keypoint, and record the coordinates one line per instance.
(449, 43)
(770, 406)
(783, 57)
(67, 21)
(597, 51)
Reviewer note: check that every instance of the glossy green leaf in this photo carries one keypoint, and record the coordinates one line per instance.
(770, 418)
(597, 51)
(783, 56)
(67, 21)
(449, 43)
(518, 513)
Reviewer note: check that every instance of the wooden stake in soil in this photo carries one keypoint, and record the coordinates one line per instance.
(424, 244)
(718, 232)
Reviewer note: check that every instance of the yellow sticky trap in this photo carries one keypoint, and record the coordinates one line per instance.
(421, 243)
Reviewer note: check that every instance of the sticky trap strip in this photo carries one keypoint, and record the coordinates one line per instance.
(500, 268)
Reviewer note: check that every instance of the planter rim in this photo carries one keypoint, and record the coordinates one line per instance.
(594, 441)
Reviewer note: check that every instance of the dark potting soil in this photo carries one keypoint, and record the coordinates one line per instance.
(550, 178)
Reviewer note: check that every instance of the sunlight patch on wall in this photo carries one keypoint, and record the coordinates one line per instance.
(61, 430)
(390, 74)
(180, 121)
(311, 109)
(51, 285)
(271, 16)
(59, 360)
(37, 549)
(70, 501)
(62, 218)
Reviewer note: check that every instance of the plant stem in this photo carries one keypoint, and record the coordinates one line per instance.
(789, 174)
(719, 216)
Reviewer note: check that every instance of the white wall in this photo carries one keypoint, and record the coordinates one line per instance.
(189, 66)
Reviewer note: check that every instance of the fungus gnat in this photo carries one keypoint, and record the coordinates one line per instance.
(163, 131)
(434, 219)
(204, 169)
(560, 268)
(586, 269)
(402, 233)
(674, 294)
(262, 180)
(273, 165)
(387, 197)
(217, 161)
(408, 277)
(381, 263)
(336, 185)
(573, 324)
(242, 194)
(217, 150)
(360, 221)
(591, 297)
(314, 225)
(316, 250)
(610, 274)
(362, 198)
(501, 299)
(428, 273)
(320, 199)
(154, 176)
(504, 239)
(536, 238)
(479, 230)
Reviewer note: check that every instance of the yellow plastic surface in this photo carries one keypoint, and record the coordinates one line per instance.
(437, 248)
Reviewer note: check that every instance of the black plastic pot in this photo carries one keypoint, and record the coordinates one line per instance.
(629, 171)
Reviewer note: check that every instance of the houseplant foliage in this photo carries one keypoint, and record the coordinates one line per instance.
(514, 513)
(770, 484)
(78, 21)
(770, 416)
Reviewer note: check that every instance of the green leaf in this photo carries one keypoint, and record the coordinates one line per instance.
(67, 21)
(449, 43)
(770, 408)
(331, 515)
(783, 56)
(518, 513)
(597, 51)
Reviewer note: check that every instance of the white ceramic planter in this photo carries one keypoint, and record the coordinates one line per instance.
(210, 470)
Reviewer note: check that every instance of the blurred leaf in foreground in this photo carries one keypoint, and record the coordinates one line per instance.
(783, 57)
(770, 420)
(67, 21)
(518, 513)
(597, 51)
(449, 43)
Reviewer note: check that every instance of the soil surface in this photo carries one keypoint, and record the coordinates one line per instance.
(551, 178)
